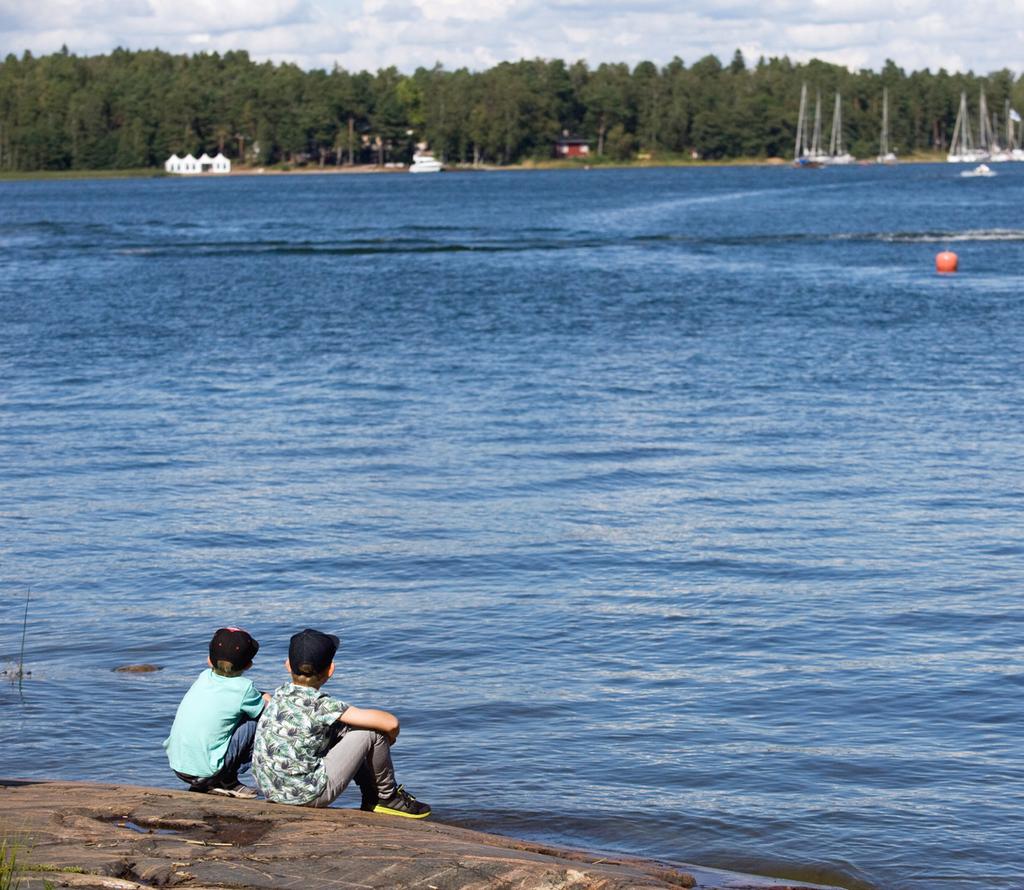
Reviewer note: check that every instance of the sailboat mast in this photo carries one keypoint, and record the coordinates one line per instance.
(885, 123)
(816, 142)
(832, 136)
(984, 139)
(958, 145)
(965, 136)
(800, 148)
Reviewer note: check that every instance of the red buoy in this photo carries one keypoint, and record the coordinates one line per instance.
(946, 262)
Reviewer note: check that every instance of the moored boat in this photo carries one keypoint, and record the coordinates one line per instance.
(425, 162)
(836, 154)
(807, 153)
(961, 146)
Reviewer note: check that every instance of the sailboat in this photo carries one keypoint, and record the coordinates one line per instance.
(885, 156)
(987, 136)
(816, 155)
(807, 154)
(836, 155)
(961, 146)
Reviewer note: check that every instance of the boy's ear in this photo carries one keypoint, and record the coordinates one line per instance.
(330, 671)
(288, 665)
(210, 663)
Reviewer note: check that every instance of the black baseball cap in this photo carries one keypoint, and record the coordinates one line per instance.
(310, 652)
(234, 645)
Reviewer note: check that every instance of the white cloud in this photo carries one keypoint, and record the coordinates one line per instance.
(460, 11)
(480, 33)
(222, 15)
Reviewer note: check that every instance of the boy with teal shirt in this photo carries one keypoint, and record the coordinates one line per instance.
(212, 736)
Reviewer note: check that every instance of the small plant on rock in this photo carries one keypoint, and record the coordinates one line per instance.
(9, 878)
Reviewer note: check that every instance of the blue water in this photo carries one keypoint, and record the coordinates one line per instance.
(675, 512)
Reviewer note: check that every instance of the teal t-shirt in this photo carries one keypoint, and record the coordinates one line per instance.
(206, 718)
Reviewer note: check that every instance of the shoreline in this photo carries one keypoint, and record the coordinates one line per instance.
(125, 837)
(373, 170)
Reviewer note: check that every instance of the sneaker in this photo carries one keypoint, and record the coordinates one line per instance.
(402, 803)
(235, 789)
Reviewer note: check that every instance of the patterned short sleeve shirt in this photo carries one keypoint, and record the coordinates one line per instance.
(291, 740)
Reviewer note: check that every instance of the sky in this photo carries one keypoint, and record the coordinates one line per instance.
(981, 36)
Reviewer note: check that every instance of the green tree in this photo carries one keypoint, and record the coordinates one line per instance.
(607, 100)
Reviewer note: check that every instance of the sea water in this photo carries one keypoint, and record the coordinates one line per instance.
(676, 512)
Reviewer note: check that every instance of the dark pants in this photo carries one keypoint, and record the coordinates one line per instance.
(236, 759)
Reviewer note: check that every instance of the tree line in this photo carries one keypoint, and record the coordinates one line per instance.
(132, 109)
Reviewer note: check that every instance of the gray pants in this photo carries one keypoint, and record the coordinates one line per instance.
(363, 755)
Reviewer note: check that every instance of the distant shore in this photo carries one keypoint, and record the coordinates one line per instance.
(373, 169)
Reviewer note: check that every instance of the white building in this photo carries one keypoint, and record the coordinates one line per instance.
(188, 165)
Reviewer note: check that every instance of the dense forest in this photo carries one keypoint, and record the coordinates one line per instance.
(133, 109)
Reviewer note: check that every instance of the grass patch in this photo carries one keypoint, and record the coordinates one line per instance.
(70, 869)
(12, 870)
(47, 175)
(9, 879)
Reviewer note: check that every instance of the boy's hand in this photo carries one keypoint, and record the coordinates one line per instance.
(266, 698)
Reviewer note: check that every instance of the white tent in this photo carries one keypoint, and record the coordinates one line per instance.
(189, 165)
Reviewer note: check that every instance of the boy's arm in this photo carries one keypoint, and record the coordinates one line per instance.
(371, 718)
(254, 702)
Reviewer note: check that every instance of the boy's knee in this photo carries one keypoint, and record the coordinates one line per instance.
(366, 734)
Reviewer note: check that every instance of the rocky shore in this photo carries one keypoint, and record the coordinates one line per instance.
(120, 837)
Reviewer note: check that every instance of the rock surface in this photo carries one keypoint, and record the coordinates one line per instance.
(120, 837)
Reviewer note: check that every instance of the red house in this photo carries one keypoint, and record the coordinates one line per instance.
(571, 147)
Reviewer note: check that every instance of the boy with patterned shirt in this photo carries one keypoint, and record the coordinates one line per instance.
(309, 746)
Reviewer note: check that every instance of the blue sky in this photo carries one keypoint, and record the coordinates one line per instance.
(981, 36)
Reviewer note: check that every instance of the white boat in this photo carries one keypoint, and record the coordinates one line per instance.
(987, 140)
(885, 156)
(961, 146)
(425, 162)
(808, 154)
(836, 155)
(980, 170)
